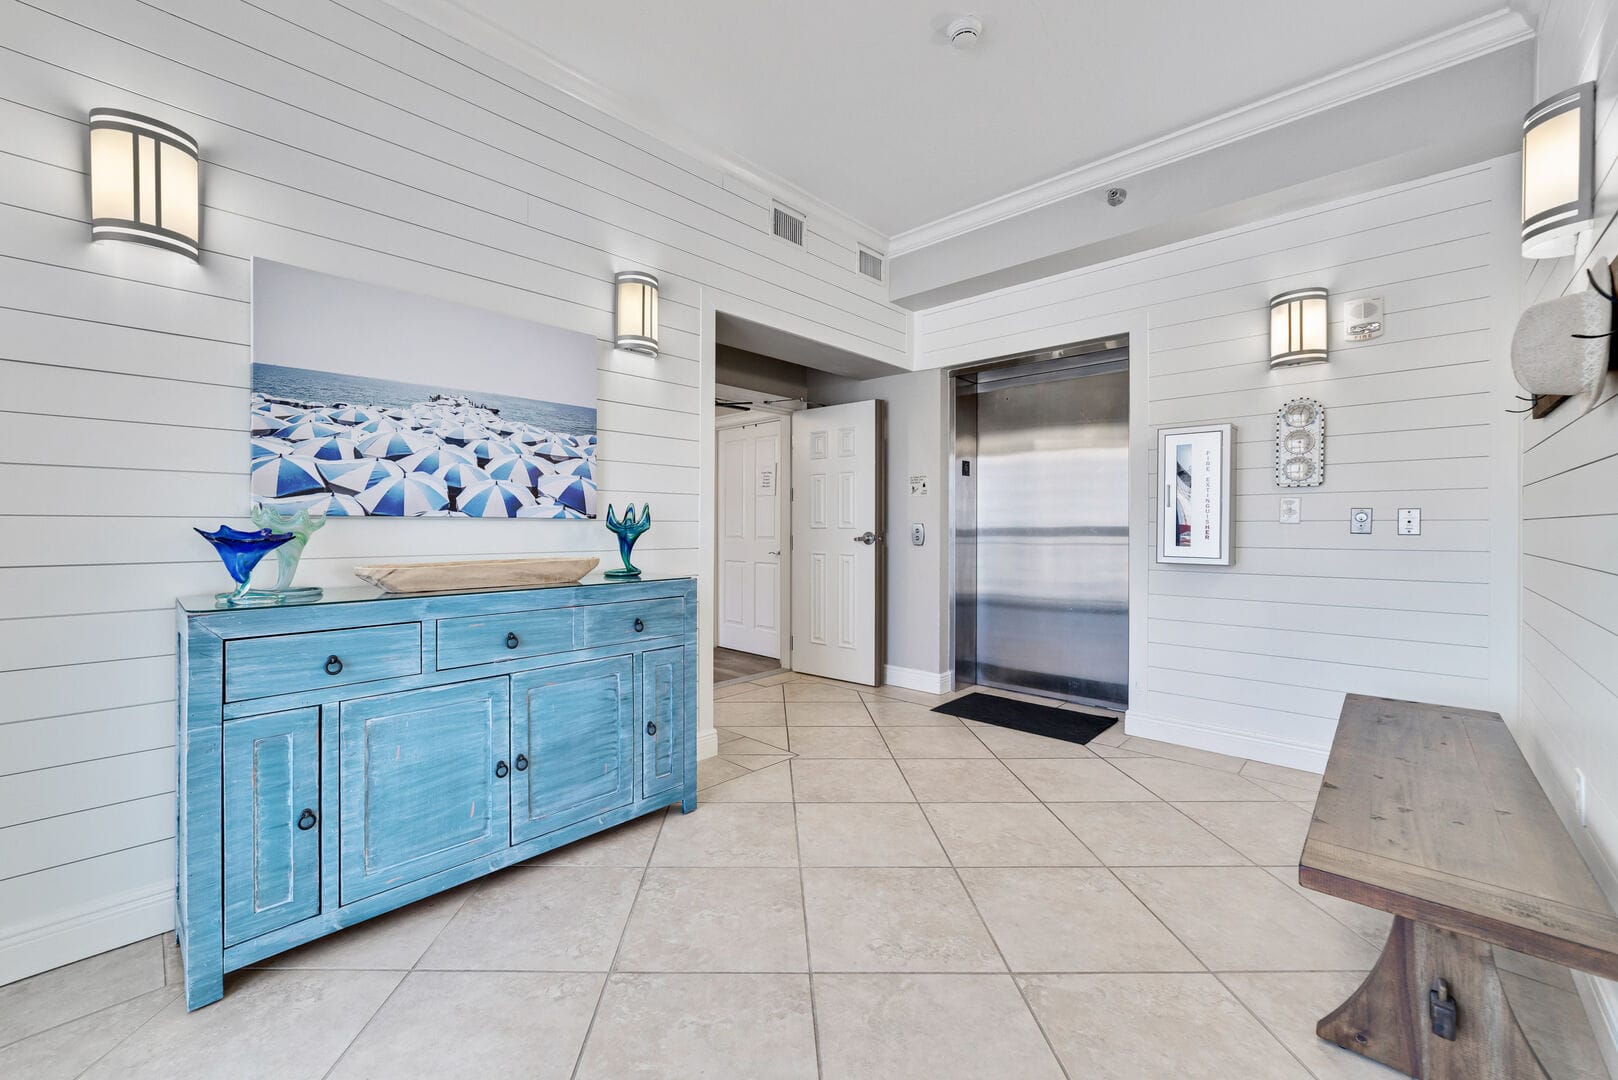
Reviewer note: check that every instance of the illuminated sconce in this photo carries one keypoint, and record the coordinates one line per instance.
(143, 181)
(637, 311)
(1558, 185)
(1298, 328)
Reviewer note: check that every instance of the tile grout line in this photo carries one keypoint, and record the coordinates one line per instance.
(803, 910)
(1274, 1035)
(972, 900)
(612, 964)
(403, 976)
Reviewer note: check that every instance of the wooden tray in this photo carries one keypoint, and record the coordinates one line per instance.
(438, 577)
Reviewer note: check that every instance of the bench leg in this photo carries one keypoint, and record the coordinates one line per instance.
(1389, 1018)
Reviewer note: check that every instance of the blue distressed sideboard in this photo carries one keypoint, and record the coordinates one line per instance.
(341, 759)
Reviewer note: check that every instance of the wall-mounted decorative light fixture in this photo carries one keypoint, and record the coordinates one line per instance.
(1558, 172)
(637, 311)
(143, 181)
(1298, 328)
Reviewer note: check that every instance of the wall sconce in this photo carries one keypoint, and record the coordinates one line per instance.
(1298, 328)
(1558, 186)
(143, 181)
(637, 311)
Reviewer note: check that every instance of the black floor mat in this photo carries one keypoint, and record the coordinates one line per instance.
(1065, 724)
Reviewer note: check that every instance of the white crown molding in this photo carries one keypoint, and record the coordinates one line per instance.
(451, 18)
(1468, 41)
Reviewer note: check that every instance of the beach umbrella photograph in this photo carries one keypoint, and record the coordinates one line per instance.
(437, 459)
(395, 444)
(404, 496)
(570, 491)
(462, 475)
(331, 448)
(308, 429)
(493, 498)
(341, 506)
(276, 477)
(488, 449)
(268, 447)
(519, 470)
(557, 449)
(353, 477)
(546, 509)
(579, 467)
(352, 415)
(461, 434)
(264, 423)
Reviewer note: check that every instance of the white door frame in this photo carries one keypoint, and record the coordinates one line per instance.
(712, 302)
(783, 508)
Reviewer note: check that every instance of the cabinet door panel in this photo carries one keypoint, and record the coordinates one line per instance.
(574, 725)
(423, 783)
(271, 783)
(666, 723)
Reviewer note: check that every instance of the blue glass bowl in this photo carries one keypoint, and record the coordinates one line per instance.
(241, 552)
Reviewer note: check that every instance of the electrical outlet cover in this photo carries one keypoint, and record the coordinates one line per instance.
(1291, 510)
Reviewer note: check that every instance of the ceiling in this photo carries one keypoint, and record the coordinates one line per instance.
(863, 104)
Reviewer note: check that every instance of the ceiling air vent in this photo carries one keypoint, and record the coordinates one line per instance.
(788, 225)
(870, 264)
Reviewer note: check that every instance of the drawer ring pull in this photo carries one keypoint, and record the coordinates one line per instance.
(307, 819)
(334, 666)
(639, 626)
(511, 640)
(651, 727)
(501, 770)
(521, 763)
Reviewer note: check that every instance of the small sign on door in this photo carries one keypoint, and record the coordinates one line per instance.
(766, 482)
(918, 485)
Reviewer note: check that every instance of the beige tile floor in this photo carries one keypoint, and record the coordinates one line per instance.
(869, 889)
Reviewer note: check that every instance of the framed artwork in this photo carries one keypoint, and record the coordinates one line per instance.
(371, 402)
(1194, 500)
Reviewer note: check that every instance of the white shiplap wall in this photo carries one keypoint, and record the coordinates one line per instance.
(1569, 717)
(1254, 658)
(343, 136)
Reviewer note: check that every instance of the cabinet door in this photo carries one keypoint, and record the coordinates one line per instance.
(573, 727)
(665, 720)
(423, 784)
(271, 807)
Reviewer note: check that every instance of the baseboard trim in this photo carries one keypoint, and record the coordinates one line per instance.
(927, 682)
(707, 744)
(86, 931)
(1600, 997)
(1265, 748)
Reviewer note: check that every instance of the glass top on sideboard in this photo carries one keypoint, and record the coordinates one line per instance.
(359, 594)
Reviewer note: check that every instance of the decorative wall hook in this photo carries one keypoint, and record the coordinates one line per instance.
(1566, 346)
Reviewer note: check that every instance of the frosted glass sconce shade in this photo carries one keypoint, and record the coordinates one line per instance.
(1558, 186)
(143, 181)
(637, 311)
(1298, 328)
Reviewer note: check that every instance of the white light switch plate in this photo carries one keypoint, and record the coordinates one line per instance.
(1291, 510)
(1409, 522)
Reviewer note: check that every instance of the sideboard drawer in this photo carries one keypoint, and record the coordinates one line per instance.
(485, 639)
(611, 624)
(291, 663)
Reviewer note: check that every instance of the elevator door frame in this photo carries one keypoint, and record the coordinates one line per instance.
(1058, 362)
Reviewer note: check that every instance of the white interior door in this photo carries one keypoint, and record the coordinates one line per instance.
(836, 541)
(750, 538)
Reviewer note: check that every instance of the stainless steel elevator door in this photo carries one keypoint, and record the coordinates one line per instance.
(1052, 535)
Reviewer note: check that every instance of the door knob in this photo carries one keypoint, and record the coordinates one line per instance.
(867, 538)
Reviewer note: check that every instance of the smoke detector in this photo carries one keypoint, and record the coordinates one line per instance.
(964, 31)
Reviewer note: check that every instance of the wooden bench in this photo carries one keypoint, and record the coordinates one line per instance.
(1432, 814)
